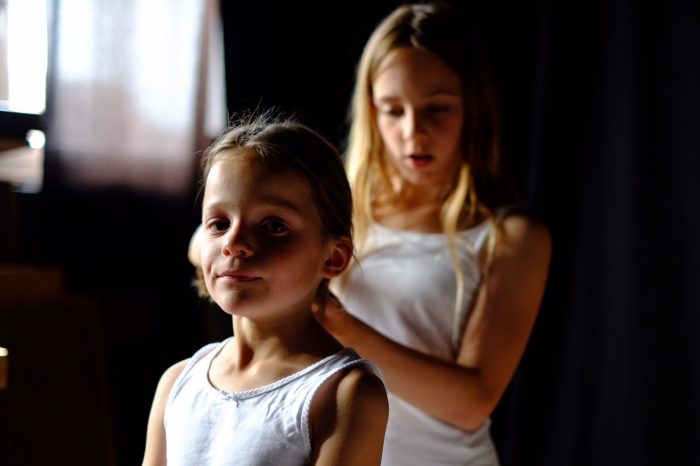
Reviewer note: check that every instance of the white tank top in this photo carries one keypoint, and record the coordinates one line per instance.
(264, 426)
(405, 288)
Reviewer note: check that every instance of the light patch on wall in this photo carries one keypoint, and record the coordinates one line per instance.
(23, 56)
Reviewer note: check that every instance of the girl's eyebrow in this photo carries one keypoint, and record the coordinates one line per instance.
(268, 200)
(444, 91)
(276, 201)
(439, 92)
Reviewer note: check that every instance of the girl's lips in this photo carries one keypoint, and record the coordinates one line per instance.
(238, 277)
(420, 160)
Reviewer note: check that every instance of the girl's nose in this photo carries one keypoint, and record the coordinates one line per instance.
(413, 124)
(236, 244)
(414, 133)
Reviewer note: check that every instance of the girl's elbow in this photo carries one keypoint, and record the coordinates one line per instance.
(474, 414)
(472, 422)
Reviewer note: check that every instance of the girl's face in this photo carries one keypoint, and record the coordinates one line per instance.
(420, 115)
(263, 248)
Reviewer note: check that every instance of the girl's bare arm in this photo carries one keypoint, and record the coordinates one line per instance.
(465, 393)
(154, 454)
(350, 421)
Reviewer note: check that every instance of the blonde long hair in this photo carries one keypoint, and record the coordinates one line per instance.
(431, 27)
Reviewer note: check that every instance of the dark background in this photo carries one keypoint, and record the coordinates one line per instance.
(601, 113)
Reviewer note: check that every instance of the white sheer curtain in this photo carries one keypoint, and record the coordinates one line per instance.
(136, 88)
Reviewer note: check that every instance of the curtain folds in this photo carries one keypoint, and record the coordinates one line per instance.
(135, 89)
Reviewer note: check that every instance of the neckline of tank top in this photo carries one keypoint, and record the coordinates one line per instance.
(253, 392)
(424, 234)
(500, 214)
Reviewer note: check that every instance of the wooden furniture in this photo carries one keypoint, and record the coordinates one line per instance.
(55, 409)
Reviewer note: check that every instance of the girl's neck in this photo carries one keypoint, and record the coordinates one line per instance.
(408, 194)
(424, 218)
(416, 208)
(260, 355)
(291, 339)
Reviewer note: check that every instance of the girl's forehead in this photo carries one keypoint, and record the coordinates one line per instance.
(415, 71)
(249, 155)
(245, 161)
(250, 163)
(249, 178)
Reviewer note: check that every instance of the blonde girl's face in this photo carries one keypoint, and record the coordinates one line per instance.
(263, 247)
(420, 115)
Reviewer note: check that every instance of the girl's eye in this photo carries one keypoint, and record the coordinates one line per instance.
(392, 111)
(437, 109)
(218, 226)
(276, 227)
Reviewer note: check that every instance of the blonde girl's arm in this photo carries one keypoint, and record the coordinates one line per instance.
(349, 423)
(466, 392)
(154, 454)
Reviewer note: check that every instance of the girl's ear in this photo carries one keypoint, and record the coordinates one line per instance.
(339, 257)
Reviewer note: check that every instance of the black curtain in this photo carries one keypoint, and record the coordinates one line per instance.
(611, 374)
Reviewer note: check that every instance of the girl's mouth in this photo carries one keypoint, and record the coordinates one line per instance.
(420, 160)
(238, 277)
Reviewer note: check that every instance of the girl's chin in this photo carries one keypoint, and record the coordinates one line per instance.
(426, 181)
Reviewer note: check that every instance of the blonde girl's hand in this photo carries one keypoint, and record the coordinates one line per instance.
(330, 313)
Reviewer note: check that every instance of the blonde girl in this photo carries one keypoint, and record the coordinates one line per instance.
(450, 277)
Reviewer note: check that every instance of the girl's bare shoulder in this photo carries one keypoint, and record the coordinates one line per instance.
(523, 229)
